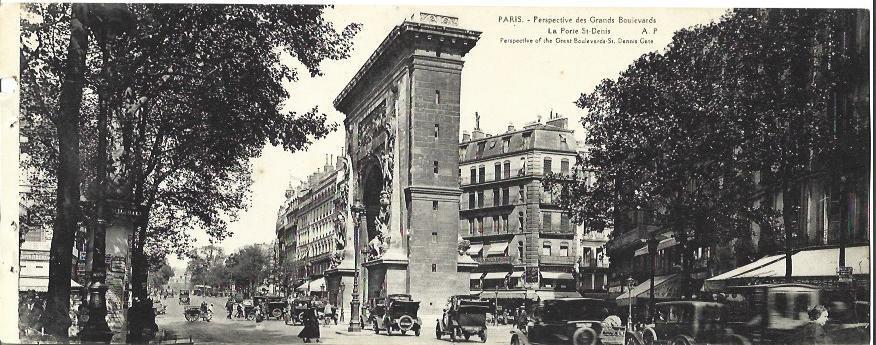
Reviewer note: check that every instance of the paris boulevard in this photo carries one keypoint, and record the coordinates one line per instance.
(223, 330)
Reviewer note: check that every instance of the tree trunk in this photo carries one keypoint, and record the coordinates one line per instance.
(56, 318)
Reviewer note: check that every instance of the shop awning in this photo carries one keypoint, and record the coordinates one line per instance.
(497, 249)
(476, 276)
(517, 274)
(39, 284)
(495, 275)
(666, 243)
(665, 288)
(317, 285)
(557, 275)
(475, 249)
(813, 263)
(557, 294)
(717, 282)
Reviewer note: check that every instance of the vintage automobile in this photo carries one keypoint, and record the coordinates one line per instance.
(688, 323)
(776, 313)
(184, 297)
(398, 313)
(249, 308)
(276, 307)
(463, 317)
(194, 313)
(573, 321)
(297, 309)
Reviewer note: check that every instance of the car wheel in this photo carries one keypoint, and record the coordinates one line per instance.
(584, 336)
(417, 332)
(515, 340)
(649, 337)
(376, 329)
(483, 336)
(466, 336)
(453, 335)
(437, 330)
(277, 313)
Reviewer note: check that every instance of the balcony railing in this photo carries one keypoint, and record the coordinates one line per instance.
(557, 260)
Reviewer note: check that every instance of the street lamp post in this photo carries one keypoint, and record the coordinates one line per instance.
(358, 209)
(630, 283)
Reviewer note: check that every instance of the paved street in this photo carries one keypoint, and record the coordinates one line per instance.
(222, 330)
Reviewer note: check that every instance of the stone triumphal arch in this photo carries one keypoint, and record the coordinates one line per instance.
(402, 135)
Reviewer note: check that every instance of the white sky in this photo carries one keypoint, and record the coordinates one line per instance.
(503, 82)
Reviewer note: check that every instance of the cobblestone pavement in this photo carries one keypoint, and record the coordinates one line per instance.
(223, 330)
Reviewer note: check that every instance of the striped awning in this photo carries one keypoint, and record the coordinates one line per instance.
(497, 249)
(516, 274)
(475, 249)
(495, 275)
(476, 276)
(557, 275)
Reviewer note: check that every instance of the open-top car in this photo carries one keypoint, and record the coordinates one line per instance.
(398, 313)
(184, 297)
(463, 317)
(687, 323)
(573, 321)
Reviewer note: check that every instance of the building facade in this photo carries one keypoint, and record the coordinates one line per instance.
(525, 245)
(306, 231)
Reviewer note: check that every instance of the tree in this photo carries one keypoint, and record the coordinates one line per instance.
(685, 132)
(194, 93)
(159, 275)
(248, 266)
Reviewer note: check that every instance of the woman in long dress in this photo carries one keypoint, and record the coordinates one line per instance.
(311, 326)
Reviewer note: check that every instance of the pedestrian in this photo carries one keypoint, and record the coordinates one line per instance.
(522, 319)
(326, 313)
(813, 332)
(311, 327)
(229, 306)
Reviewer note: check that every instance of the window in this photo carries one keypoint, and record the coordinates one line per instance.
(520, 249)
(546, 223)
(471, 227)
(505, 197)
(522, 170)
(546, 248)
(481, 146)
(434, 268)
(506, 144)
(434, 205)
(497, 174)
(471, 200)
(564, 223)
(480, 225)
(482, 173)
(496, 198)
(437, 99)
(547, 166)
(520, 219)
(521, 194)
(504, 224)
(564, 249)
(434, 237)
(435, 166)
(527, 139)
(480, 198)
(564, 166)
(496, 224)
(436, 130)
(507, 168)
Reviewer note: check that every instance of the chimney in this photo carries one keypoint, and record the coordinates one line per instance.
(558, 121)
(477, 134)
(511, 127)
(466, 136)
